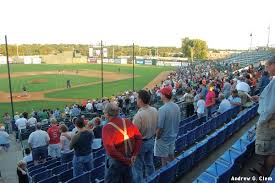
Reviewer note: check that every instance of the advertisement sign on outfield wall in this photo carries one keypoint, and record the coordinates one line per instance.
(117, 61)
(148, 62)
(3, 60)
(139, 61)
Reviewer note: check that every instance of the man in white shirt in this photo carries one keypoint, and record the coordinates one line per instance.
(21, 123)
(200, 107)
(243, 90)
(89, 106)
(32, 122)
(39, 141)
(224, 105)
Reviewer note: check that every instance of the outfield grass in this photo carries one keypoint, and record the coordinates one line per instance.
(146, 73)
(51, 82)
(28, 106)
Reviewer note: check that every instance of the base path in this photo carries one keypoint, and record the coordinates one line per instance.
(161, 77)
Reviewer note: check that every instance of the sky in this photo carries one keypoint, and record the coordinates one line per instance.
(224, 24)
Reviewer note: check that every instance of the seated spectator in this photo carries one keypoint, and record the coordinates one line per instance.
(81, 143)
(264, 81)
(57, 114)
(201, 107)
(224, 105)
(54, 134)
(234, 99)
(22, 172)
(89, 106)
(4, 139)
(65, 139)
(39, 141)
(28, 157)
(75, 111)
(243, 90)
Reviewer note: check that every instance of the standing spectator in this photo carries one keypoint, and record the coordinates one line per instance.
(22, 172)
(57, 114)
(89, 106)
(265, 127)
(75, 111)
(21, 124)
(81, 143)
(65, 139)
(32, 122)
(189, 99)
(39, 141)
(54, 134)
(234, 99)
(226, 88)
(7, 122)
(167, 127)
(16, 116)
(97, 127)
(200, 107)
(264, 81)
(28, 157)
(122, 141)
(224, 105)
(146, 121)
(4, 139)
(210, 101)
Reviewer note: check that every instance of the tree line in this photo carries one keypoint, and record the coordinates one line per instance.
(190, 48)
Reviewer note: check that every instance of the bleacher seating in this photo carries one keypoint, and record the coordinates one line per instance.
(188, 159)
(230, 163)
(198, 129)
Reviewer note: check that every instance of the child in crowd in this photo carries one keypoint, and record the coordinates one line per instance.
(200, 107)
(28, 157)
(22, 172)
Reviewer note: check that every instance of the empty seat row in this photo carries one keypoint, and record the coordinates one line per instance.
(190, 158)
(230, 163)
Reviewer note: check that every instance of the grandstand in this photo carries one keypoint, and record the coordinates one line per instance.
(197, 138)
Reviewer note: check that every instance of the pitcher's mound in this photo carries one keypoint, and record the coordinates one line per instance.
(38, 81)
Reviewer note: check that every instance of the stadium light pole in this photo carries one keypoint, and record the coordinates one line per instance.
(8, 64)
(268, 35)
(133, 66)
(101, 51)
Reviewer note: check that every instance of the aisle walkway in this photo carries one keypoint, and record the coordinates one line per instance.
(8, 161)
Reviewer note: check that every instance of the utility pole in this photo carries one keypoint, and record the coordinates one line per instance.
(102, 85)
(250, 47)
(268, 35)
(8, 64)
(133, 67)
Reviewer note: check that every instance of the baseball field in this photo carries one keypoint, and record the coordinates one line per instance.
(46, 85)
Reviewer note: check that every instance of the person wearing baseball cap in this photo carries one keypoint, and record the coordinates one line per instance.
(167, 127)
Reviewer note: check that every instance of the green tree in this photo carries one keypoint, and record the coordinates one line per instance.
(196, 47)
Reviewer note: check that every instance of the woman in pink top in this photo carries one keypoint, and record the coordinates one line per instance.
(210, 100)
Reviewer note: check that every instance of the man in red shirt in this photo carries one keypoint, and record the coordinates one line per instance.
(122, 142)
(54, 144)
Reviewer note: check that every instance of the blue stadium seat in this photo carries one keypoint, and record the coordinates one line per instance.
(50, 162)
(188, 127)
(157, 161)
(221, 137)
(97, 173)
(205, 178)
(180, 144)
(229, 129)
(167, 173)
(68, 157)
(30, 169)
(206, 128)
(36, 171)
(65, 176)
(41, 176)
(98, 161)
(272, 176)
(190, 139)
(185, 162)
(85, 177)
(211, 144)
(182, 131)
(199, 134)
(53, 179)
(61, 168)
(99, 153)
(213, 124)
(154, 178)
(53, 165)
(220, 171)
(70, 164)
(200, 152)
